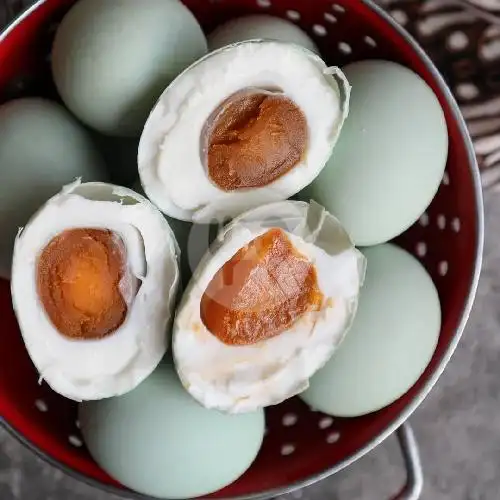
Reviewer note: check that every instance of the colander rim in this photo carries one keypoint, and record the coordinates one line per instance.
(427, 386)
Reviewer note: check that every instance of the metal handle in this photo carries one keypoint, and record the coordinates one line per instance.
(412, 490)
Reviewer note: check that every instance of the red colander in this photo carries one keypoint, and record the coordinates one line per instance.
(301, 446)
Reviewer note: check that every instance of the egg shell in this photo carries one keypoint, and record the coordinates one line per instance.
(112, 60)
(42, 147)
(390, 343)
(259, 26)
(159, 441)
(390, 157)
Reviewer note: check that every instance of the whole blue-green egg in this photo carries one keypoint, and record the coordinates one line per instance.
(157, 440)
(390, 343)
(111, 60)
(391, 155)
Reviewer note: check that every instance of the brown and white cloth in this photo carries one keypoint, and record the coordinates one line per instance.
(463, 39)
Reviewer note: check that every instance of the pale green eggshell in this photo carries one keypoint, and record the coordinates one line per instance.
(390, 157)
(112, 60)
(258, 26)
(159, 441)
(391, 341)
(42, 148)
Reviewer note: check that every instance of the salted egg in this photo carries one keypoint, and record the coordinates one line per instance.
(258, 26)
(157, 440)
(248, 124)
(391, 342)
(391, 155)
(266, 307)
(112, 60)
(94, 278)
(42, 147)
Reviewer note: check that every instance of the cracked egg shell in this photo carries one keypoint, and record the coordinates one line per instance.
(94, 279)
(221, 360)
(248, 124)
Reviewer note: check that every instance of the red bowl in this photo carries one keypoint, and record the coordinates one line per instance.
(46, 422)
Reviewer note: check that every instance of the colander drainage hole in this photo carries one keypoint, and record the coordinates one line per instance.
(338, 8)
(41, 405)
(325, 422)
(319, 30)
(370, 41)
(446, 179)
(264, 3)
(455, 224)
(77, 424)
(441, 221)
(293, 15)
(289, 419)
(287, 449)
(333, 437)
(75, 441)
(443, 268)
(329, 18)
(345, 48)
(421, 249)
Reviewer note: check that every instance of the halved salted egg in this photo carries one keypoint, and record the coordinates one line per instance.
(94, 279)
(248, 124)
(266, 307)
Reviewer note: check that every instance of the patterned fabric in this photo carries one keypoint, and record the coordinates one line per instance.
(463, 39)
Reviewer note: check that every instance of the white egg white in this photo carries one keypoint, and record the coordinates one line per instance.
(243, 378)
(170, 164)
(113, 365)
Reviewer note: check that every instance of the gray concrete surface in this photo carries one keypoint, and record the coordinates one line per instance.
(458, 425)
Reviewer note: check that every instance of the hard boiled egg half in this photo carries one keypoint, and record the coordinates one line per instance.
(266, 307)
(94, 278)
(248, 124)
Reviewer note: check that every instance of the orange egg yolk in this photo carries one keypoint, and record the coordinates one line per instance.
(260, 292)
(253, 139)
(78, 278)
